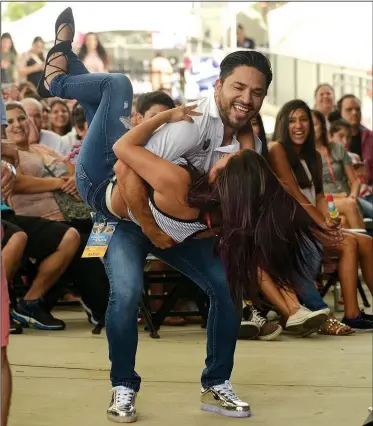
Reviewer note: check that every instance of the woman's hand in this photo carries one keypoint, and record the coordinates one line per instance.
(333, 223)
(7, 182)
(181, 113)
(69, 187)
(9, 152)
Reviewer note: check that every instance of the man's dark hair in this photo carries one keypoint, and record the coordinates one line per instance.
(147, 100)
(337, 125)
(250, 58)
(348, 96)
(78, 116)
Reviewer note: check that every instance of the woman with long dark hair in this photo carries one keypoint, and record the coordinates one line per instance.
(60, 117)
(258, 128)
(339, 177)
(8, 59)
(93, 54)
(298, 165)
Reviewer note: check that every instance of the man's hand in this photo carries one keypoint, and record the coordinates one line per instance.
(9, 152)
(158, 238)
(7, 182)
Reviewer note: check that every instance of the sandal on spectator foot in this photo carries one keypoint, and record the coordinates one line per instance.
(333, 327)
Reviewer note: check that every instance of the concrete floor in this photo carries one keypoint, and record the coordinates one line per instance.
(62, 378)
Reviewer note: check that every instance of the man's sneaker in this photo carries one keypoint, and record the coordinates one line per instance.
(15, 327)
(305, 322)
(268, 330)
(32, 312)
(364, 322)
(122, 408)
(248, 331)
(222, 399)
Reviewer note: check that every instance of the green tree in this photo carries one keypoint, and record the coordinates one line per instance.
(18, 10)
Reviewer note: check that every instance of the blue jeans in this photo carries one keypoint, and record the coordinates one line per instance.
(366, 206)
(306, 290)
(105, 98)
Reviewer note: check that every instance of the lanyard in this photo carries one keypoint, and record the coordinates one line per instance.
(327, 156)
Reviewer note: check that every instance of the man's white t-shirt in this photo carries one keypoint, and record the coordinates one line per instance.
(54, 141)
(200, 142)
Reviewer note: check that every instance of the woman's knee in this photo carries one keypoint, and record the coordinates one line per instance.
(349, 244)
(70, 241)
(121, 83)
(18, 240)
(351, 205)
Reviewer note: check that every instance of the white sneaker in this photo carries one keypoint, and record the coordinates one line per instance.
(122, 407)
(305, 322)
(223, 400)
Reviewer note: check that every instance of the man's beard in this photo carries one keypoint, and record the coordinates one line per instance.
(224, 111)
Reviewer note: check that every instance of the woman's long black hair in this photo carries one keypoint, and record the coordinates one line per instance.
(100, 50)
(262, 136)
(9, 37)
(324, 130)
(262, 226)
(308, 152)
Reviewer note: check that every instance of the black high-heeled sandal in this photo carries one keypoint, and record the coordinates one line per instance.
(66, 19)
(62, 48)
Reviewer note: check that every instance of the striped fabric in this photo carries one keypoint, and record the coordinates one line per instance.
(177, 229)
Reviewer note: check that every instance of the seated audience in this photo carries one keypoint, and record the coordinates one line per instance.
(45, 116)
(53, 246)
(298, 165)
(60, 117)
(362, 138)
(80, 128)
(339, 177)
(340, 132)
(34, 196)
(34, 111)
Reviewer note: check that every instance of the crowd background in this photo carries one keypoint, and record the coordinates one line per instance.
(48, 133)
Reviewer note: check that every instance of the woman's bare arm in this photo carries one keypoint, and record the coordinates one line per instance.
(34, 185)
(353, 180)
(162, 175)
(281, 167)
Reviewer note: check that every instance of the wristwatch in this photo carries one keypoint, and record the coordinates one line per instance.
(10, 167)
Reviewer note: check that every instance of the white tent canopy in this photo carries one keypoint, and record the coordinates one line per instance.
(170, 17)
(338, 33)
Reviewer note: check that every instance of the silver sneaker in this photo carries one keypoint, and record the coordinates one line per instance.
(222, 399)
(122, 407)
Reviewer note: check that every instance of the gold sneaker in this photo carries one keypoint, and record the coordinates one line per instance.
(122, 407)
(222, 399)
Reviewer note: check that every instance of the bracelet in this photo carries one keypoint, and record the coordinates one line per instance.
(10, 167)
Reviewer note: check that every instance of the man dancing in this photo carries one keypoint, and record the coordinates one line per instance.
(239, 93)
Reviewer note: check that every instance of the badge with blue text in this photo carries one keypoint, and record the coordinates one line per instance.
(99, 239)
